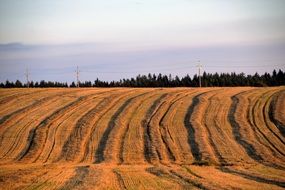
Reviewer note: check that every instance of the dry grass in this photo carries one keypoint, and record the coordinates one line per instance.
(122, 138)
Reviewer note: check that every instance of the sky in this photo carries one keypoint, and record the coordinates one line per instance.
(120, 39)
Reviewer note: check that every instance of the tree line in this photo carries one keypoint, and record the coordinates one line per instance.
(153, 80)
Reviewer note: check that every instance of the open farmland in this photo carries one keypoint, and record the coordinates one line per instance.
(124, 138)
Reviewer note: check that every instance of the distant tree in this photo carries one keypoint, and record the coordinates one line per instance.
(153, 80)
(18, 84)
(42, 84)
(280, 78)
(37, 85)
(72, 85)
(32, 85)
(9, 84)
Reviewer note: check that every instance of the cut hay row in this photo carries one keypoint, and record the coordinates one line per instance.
(111, 147)
(123, 138)
(47, 126)
(173, 129)
(138, 178)
(220, 128)
(164, 130)
(73, 146)
(98, 136)
(19, 127)
(24, 105)
(160, 148)
(256, 117)
(35, 177)
(277, 111)
(14, 99)
(132, 147)
(175, 135)
(60, 130)
(202, 146)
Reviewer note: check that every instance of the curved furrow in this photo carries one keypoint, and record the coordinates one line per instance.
(20, 131)
(93, 118)
(4, 100)
(132, 146)
(251, 177)
(141, 178)
(56, 136)
(149, 152)
(260, 149)
(153, 145)
(223, 178)
(143, 138)
(74, 145)
(180, 131)
(255, 178)
(191, 131)
(100, 124)
(275, 129)
(186, 181)
(158, 144)
(251, 118)
(260, 125)
(277, 111)
(202, 146)
(17, 116)
(120, 179)
(59, 129)
(40, 132)
(9, 93)
(170, 133)
(75, 181)
(22, 104)
(236, 130)
(135, 137)
(110, 143)
(177, 122)
(19, 122)
(26, 177)
(220, 130)
(19, 100)
(52, 179)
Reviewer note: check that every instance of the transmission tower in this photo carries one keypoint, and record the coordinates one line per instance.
(77, 77)
(27, 77)
(199, 73)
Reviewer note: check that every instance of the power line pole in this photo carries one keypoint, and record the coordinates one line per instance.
(77, 77)
(199, 72)
(27, 77)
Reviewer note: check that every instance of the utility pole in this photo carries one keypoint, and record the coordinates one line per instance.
(77, 77)
(27, 77)
(199, 71)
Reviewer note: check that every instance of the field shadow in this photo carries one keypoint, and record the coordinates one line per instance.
(195, 150)
(99, 154)
(251, 177)
(250, 150)
(279, 125)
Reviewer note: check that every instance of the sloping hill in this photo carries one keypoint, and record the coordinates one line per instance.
(124, 138)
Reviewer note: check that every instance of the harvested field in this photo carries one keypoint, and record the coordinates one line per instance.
(144, 138)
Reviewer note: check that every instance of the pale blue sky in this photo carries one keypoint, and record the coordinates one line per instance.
(115, 39)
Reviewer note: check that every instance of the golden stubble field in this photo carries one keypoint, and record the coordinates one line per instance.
(126, 138)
